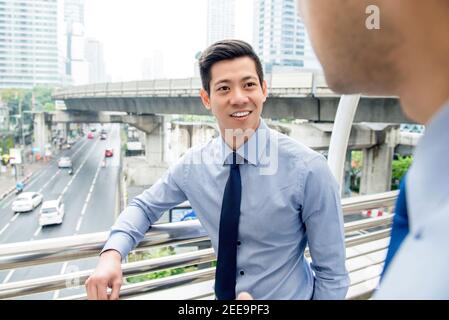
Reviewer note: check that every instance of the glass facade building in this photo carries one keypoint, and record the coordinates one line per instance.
(280, 38)
(31, 43)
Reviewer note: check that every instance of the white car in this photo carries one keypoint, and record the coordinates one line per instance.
(52, 212)
(64, 162)
(27, 201)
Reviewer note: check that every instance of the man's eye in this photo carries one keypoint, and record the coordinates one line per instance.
(224, 88)
(251, 84)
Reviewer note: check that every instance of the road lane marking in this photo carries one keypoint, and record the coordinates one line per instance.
(64, 266)
(78, 170)
(86, 202)
(10, 273)
(78, 226)
(37, 231)
(52, 178)
(4, 228)
(14, 217)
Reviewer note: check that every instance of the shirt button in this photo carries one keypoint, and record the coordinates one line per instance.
(242, 272)
(239, 242)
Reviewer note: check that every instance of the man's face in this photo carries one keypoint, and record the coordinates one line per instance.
(355, 59)
(236, 97)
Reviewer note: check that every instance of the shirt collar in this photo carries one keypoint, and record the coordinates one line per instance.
(251, 151)
(427, 187)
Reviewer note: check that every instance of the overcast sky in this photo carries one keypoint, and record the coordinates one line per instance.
(132, 30)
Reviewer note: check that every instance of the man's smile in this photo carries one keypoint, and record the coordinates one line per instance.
(241, 115)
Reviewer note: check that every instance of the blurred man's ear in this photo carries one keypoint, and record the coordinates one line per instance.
(265, 89)
(205, 99)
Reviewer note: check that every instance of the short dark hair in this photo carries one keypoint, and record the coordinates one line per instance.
(226, 50)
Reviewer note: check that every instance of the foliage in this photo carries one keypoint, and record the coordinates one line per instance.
(195, 118)
(400, 167)
(166, 251)
(36, 99)
(6, 143)
(356, 170)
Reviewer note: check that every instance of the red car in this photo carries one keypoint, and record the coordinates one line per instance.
(90, 135)
(108, 153)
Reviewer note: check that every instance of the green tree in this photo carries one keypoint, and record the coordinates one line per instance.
(399, 168)
(356, 169)
(166, 251)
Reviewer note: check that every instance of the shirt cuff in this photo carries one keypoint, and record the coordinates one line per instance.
(120, 242)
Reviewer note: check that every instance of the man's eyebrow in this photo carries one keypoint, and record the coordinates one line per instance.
(224, 81)
(249, 78)
(221, 82)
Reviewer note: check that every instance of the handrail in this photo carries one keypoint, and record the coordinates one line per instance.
(22, 254)
(368, 223)
(57, 282)
(371, 201)
(159, 284)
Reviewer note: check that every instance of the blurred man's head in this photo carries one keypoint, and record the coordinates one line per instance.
(409, 48)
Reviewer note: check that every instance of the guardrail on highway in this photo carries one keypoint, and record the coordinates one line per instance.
(46, 251)
(279, 84)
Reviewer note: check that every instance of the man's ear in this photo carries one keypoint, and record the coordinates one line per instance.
(265, 89)
(205, 99)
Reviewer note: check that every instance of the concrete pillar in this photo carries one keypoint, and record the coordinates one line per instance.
(377, 163)
(63, 129)
(154, 145)
(41, 133)
(346, 190)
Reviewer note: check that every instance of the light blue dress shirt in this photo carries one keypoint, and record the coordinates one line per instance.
(289, 200)
(420, 268)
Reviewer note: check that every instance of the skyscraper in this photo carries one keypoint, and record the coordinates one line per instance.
(74, 11)
(220, 20)
(75, 64)
(31, 43)
(280, 38)
(95, 58)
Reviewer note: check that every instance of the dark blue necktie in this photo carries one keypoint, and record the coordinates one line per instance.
(225, 273)
(400, 226)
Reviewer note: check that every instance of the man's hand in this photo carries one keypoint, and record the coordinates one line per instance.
(107, 274)
(244, 296)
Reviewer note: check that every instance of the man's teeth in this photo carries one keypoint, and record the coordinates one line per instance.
(240, 114)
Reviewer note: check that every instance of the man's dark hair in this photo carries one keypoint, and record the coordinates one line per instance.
(226, 50)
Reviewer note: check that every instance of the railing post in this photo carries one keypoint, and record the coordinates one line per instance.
(340, 135)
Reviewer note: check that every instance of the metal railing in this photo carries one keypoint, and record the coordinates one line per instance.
(283, 84)
(17, 255)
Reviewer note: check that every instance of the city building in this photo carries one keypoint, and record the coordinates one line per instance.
(280, 38)
(76, 66)
(220, 20)
(94, 55)
(31, 42)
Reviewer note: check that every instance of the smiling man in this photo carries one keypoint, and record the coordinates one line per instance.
(259, 221)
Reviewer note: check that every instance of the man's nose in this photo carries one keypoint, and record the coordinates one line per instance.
(239, 97)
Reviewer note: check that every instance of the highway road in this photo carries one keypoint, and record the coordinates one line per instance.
(89, 196)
